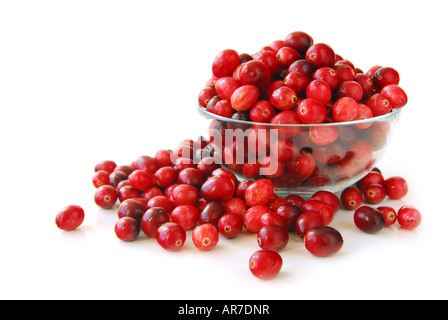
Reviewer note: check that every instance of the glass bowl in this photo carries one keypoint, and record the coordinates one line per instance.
(300, 159)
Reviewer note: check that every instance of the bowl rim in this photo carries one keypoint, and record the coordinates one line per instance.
(393, 113)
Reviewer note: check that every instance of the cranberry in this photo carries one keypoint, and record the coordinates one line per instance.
(311, 111)
(146, 163)
(368, 219)
(262, 111)
(307, 220)
(283, 98)
(289, 213)
(385, 76)
(323, 241)
(351, 198)
(389, 215)
(323, 208)
(183, 163)
(270, 218)
(70, 217)
(373, 177)
(286, 56)
(205, 95)
(265, 264)
(320, 55)
(286, 117)
(351, 89)
(106, 165)
(141, 180)
(255, 73)
(272, 237)
(230, 225)
(345, 109)
(131, 208)
(345, 72)
(285, 149)
(374, 193)
(270, 167)
(301, 66)
(329, 198)
(127, 192)
(160, 202)
(152, 192)
(190, 176)
(223, 108)
(252, 218)
(171, 236)
(244, 97)
(165, 176)
(152, 219)
(319, 90)
(302, 167)
(277, 44)
(225, 87)
(379, 104)
(364, 112)
(409, 217)
(328, 75)
(323, 135)
(219, 187)
(297, 81)
(163, 158)
(225, 62)
(100, 178)
(396, 96)
(211, 213)
(396, 187)
(127, 229)
(205, 236)
(269, 59)
(298, 40)
(124, 168)
(185, 194)
(235, 205)
(106, 196)
(259, 192)
(116, 177)
(295, 200)
(206, 166)
(366, 83)
(185, 215)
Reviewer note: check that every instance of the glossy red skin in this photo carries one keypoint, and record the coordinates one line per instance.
(409, 217)
(295, 200)
(286, 56)
(324, 135)
(252, 218)
(165, 176)
(389, 215)
(270, 218)
(152, 219)
(131, 208)
(311, 111)
(265, 264)
(286, 117)
(345, 109)
(225, 62)
(298, 40)
(185, 194)
(70, 217)
(307, 220)
(127, 192)
(368, 219)
(372, 177)
(225, 87)
(272, 237)
(262, 111)
(289, 213)
(127, 229)
(329, 198)
(302, 167)
(396, 187)
(283, 98)
(219, 187)
(204, 97)
(319, 90)
(323, 208)
(211, 213)
(374, 193)
(100, 178)
(323, 241)
(205, 236)
(106, 165)
(351, 198)
(320, 55)
(396, 95)
(379, 104)
(298, 82)
(141, 180)
(385, 76)
(255, 73)
(171, 236)
(328, 75)
(161, 202)
(230, 225)
(185, 215)
(350, 89)
(259, 192)
(106, 196)
(244, 97)
(235, 205)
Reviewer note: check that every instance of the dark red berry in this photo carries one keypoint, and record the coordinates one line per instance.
(127, 229)
(389, 215)
(272, 237)
(323, 241)
(368, 219)
(152, 219)
(132, 208)
(308, 220)
(351, 198)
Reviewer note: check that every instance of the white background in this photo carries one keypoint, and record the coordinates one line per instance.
(84, 81)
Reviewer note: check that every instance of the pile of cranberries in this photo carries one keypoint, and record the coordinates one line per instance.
(164, 197)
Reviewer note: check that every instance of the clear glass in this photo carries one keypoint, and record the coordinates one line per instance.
(300, 159)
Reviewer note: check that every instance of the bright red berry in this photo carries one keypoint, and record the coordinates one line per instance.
(70, 217)
(205, 236)
(265, 264)
(409, 217)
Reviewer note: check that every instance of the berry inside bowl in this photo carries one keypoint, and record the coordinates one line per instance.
(299, 158)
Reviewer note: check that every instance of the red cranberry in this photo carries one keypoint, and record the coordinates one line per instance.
(272, 237)
(269, 59)
(223, 108)
(368, 219)
(106, 165)
(345, 109)
(307, 220)
(131, 208)
(301, 66)
(146, 163)
(152, 219)
(297, 81)
(385, 76)
(152, 192)
(396, 187)
(190, 176)
(389, 215)
(396, 96)
(225, 87)
(298, 40)
(244, 97)
(328, 75)
(286, 117)
(311, 111)
(329, 198)
(235, 205)
(302, 167)
(127, 229)
(323, 208)
(125, 169)
(319, 90)
(262, 111)
(364, 112)
(366, 83)
(116, 177)
(373, 177)
(259, 192)
(205, 236)
(283, 98)
(100, 178)
(351, 89)
(127, 192)
(255, 73)
(241, 188)
(252, 218)
(171, 236)
(106, 196)
(205, 95)
(285, 149)
(225, 62)
(323, 241)
(289, 213)
(320, 55)
(163, 158)
(265, 264)
(345, 72)
(409, 217)
(277, 44)
(185, 194)
(70, 217)
(165, 176)
(160, 202)
(211, 213)
(295, 200)
(141, 180)
(220, 187)
(379, 104)
(323, 135)
(286, 56)
(374, 193)
(206, 166)
(185, 216)
(270, 218)
(351, 198)
(230, 225)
